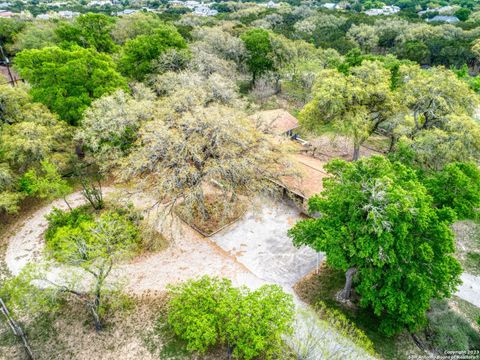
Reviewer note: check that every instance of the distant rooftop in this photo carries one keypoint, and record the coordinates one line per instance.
(278, 121)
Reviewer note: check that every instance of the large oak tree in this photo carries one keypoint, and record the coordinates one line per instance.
(377, 223)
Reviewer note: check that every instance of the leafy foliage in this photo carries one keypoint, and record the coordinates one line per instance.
(68, 80)
(357, 103)
(138, 53)
(259, 52)
(457, 186)
(209, 312)
(88, 31)
(377, 218)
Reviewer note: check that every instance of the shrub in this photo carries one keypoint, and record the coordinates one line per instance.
(66, 226)
(210, 312)
(59, 218)
(448, 330)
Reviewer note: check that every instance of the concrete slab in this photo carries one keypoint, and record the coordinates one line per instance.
(260, 242)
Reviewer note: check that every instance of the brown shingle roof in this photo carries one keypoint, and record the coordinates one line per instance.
(277, 121)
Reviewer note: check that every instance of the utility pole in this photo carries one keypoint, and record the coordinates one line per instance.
(7, 64)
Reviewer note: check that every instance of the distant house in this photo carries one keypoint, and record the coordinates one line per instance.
(272, 5)
(5, 4)
(67, 14)
(278, 121)
(386, 10)
(6, 14)
(191, 4)
(444, 10)
(444, 18)
(43, 16)
(127, 12)
(203, 10)
(100, 3)
(329, 6)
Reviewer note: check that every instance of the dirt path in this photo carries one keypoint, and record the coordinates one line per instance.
(189, 255)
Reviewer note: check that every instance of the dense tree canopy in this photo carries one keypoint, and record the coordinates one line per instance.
(357, 103)
(209, 311)
(29, 134)
(378, 223)
(68, 80)
(259, 52)
(89, 31)
(138, 53)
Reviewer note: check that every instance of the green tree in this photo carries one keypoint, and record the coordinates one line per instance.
(89, 31)
(37, 35)
(357, 103)
(95, 247)
(131, 26)
(138, 54)
(209, 312)
(68, 80)
(463, 14)
(46, 184)
(260, 56)
(377, 223)
(457, 186)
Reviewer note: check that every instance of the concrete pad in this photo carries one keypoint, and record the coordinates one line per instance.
(260, 242)
(470, 289)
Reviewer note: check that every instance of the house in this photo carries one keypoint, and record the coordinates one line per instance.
(278, 122)
(203, 10)
(444, 18)
(386, 10)
(6, 14)
(67, 14)
(309, 180)
(100, 3)
(271, 5)
(307, 177)
(329, 6)
(43, 16)
(127, 12)
(191, 4)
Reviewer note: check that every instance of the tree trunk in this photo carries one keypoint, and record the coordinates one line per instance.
(66, 202)
(392, 144)
(16, 330)
(356, 152)
(347, 290)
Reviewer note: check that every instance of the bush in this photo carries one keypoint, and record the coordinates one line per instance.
(65, 226)
(209, 312)
(59, 218)
(448, 330)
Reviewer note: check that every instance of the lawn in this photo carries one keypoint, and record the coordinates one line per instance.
(324, 286)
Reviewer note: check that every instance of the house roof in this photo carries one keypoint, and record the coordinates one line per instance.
(278, 121)
(309, 181)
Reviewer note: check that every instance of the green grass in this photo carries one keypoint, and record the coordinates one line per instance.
(324, 287)
(470, 311)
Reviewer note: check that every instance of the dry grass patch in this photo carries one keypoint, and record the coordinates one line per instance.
(220, 214)
(136, 332)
